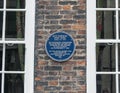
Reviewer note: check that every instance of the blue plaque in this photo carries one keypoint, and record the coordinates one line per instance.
(60, 46)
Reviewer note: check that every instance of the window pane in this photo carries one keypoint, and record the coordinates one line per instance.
(119, 83)
(119, 56)
(15, 3)
(1, 51)
(119, 3)
(105, 57)
(106, 84)
(106, 25)
(1, 3)
(15, 57)
(105, 3)
(15, 25)
(0, 82)
(1, 23)
(119, 23)
(14, 83)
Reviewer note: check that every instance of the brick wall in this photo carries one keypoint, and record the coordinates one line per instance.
(69, 76)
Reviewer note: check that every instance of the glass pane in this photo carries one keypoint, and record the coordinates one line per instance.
(14, 57)
(119, 56)
(119, 83)
(15, 4)
(15, 25)
(106, 83)
(105, 57)
(1, 51)
(119, 24)
(105, 3)
(119, 3)
(106, 25)
(0, 82)
(1, 3)
(1, 23)
(14, 83)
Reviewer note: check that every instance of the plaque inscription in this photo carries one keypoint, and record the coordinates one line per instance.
(60, 46)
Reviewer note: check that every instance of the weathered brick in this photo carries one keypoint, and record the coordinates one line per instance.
(43, 12)
(79, 68)
(50, 68)
(78, 27)
(79, 17)
(81, 32)
(53, 21)
(53, 7)
(69, 73)
(53, 27)
(67, 67)
(68, 12)
(37, 78)
(49, 78)
(53, 2)
(52, 88)
(67, 21)
(67, 87)
(81, 82)
(82, 87)
(39, 88)
(42, 62)
(66, 7)
(54, 17)
(68, 2)
(53, 73)
(53, 83)
(81, 63)
(67, 83)
(78, 57)
(43, 2)
(41, 83)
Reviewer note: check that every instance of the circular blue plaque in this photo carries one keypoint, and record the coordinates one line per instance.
(60, 46)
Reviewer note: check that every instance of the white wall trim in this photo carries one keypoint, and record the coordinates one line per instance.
(30, 37)
(91, 78)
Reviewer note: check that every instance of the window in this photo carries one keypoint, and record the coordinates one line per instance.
(103, 46)
(16, 46)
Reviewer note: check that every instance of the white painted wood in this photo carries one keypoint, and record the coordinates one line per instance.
(29, 45)
(91, 42)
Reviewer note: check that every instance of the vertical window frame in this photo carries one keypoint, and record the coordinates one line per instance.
(91, 46)
(91, 37)
(29, 45)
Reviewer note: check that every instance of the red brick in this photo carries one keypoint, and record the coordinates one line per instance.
(53, 83)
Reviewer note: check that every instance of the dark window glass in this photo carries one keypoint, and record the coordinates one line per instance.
(106, 83)
(14, 83)
(119, 82)
(1, 51)
(119, 23)
(119, 3)
(106, 25)
(14, 57)
(105, 3)
(16, 4)
(1, 3)
(15, 25)
(1, 23)
(119, 56)
(0, 82)
(105, 57)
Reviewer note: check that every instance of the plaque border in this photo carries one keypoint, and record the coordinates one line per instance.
(53, 57)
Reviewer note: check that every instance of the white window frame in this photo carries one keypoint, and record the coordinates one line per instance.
(29, 45)
(91, 67)
(30, 36)
(91, 41)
